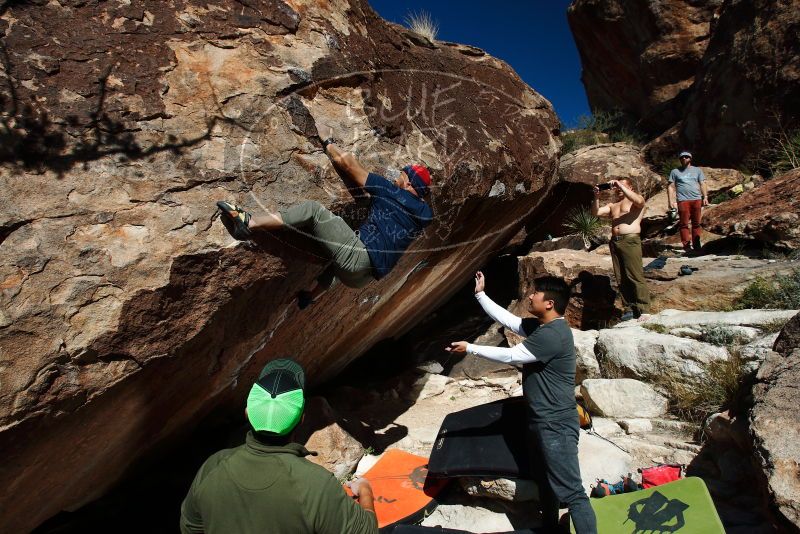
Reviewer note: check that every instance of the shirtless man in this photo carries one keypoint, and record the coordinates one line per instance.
(626, 245)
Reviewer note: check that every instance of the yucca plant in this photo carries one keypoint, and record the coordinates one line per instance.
(422, 23)
(582, 222)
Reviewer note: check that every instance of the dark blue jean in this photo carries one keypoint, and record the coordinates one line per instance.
(554, 449)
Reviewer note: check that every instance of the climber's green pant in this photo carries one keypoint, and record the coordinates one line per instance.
(350, 261)
(626, 256)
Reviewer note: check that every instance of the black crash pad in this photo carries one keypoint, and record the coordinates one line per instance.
(485, 440)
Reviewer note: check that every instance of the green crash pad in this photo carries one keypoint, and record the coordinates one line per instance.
(683, 507)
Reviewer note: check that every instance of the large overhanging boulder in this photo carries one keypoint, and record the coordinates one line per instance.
(641, 57)
(127, 310)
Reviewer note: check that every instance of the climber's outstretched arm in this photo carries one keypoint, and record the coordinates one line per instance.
(346, 164)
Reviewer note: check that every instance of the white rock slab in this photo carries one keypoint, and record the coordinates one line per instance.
(622, 398)
(645, 354)
(600, 459)
(606, 427)
(636, 426)
(694, 319)
(587, 366)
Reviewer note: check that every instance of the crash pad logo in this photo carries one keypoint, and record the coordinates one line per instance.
(657, 513)
(418, 476)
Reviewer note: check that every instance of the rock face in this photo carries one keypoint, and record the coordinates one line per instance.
(749, 81)
(622, 397)
(641, 57)
(599, 163)
(127, 310)
(770, 213)
(639, 353)
(718, 77)
(789, 338)
(773, 422)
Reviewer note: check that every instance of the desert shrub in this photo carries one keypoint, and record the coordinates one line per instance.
(784, 152)
(655, 327)
(720, 335)
(724, 385)
(781, 292)
(422, 23)
(668, 165)
(582, 222)
(574, 139)
(720, 198)
(770, 327)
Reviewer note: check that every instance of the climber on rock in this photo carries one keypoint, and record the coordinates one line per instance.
(396, 217)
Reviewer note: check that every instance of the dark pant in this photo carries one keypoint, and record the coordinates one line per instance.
(626, 257)
(690, 210)
(554, 449)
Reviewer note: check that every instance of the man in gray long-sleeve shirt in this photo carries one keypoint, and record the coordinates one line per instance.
(547, 355)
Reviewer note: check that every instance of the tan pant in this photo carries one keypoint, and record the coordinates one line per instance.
(626, 255)
(350, 259)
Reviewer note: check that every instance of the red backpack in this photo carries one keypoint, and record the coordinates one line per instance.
(660, 474)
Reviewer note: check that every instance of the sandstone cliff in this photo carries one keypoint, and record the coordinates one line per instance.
(641, 57)
(718, 77)
(127, 310)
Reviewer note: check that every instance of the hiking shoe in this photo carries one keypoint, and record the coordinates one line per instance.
(236, 220)
(627, 316)
(685, 270)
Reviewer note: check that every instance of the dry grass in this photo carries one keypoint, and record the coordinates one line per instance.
(422, 23)
(723, 386)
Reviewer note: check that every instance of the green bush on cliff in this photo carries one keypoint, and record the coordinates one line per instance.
(787, 153)
(601, 127)
(781, 292)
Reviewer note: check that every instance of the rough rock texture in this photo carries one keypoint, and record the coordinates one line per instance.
(719, 280)
(595, 293)
(641, 57)
(789, 337)
(622, 397)
(749, 81)
(599, 163)
(733, 319)
(633, 351)
(127, 310)
(773, 424)
(769, 213)
(585, 340)
(505, 489)
(578, 172)
(337, 451)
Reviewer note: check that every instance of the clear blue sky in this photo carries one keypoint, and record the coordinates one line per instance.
(530, 35)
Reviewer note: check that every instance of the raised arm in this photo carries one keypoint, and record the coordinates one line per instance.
(346, 164)
(597, 211)
(494, 310)
(630, 194)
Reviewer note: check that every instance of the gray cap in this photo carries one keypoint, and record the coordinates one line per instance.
(685, 153)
